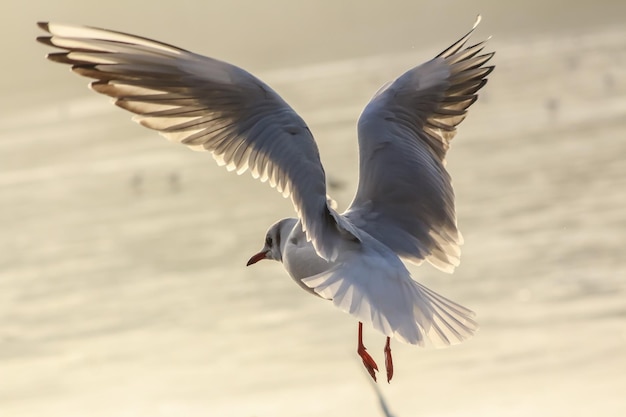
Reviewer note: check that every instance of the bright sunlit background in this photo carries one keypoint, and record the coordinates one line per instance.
(123, 290)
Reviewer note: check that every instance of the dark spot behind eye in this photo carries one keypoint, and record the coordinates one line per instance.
(292, 130)
(278, 241)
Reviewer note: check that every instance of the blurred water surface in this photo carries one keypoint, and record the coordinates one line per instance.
(123, 290)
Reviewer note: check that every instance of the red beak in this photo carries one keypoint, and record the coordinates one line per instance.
(257, 257)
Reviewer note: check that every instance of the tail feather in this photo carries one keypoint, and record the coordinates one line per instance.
(444, 321)
(396, 306)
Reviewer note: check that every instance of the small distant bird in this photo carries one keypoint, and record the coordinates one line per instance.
(174, 180)
(609, 82)
(404, 203)
(136, 183)
(553, 105)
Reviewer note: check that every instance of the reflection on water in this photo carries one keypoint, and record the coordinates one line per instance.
(124, 291)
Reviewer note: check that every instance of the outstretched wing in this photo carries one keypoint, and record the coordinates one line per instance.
(405, 198)
(207, 105)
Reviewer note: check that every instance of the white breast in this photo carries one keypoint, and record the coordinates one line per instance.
(301, 260)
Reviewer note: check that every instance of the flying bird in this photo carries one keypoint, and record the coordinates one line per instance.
(403, 209)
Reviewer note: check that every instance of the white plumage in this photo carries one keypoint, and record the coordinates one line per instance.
(404, 204)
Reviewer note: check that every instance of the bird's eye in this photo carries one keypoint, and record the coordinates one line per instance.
(268, 241)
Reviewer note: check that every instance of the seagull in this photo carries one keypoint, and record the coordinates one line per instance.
(403, 209)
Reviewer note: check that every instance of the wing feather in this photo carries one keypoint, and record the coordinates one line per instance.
(405, 197)
(208, 105)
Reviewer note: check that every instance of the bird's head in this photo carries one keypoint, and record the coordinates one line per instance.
(275, 240)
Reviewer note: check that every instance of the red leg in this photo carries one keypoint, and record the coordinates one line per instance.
(388, 360)
(368, 362)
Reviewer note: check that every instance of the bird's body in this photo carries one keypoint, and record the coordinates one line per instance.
(299, 256)
(370, 282)
(403, 209)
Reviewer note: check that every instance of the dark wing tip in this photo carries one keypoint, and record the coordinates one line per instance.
(46, 40)
(455, 47)
(488, 70)
(60, 57)
(44, 25)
